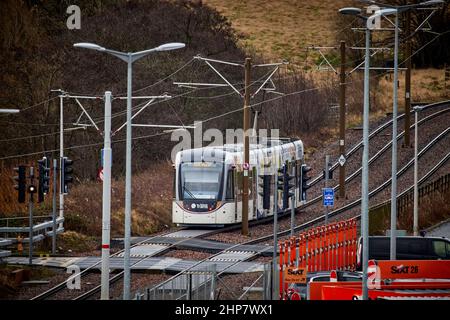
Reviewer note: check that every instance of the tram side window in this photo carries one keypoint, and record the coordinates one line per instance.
(174, 195)
(239, 177)
(230, 186)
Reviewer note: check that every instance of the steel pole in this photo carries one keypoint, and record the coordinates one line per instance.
(106, 208)
(275, 287)
(416, 178)
(55, 173)
(61, 155)
(394, 151)
(30, 220)
(126, 267)
(408, 54)
(365, 171)
(342, 111)
(246, 124)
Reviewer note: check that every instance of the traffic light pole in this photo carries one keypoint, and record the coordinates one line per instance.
(55, 173)
(275, 286)
(61, 155)
(30, 219)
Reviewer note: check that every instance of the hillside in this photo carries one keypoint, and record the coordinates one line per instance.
(283, 28)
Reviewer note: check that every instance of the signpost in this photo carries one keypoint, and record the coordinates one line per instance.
(328, 197)
(295, 275)
(342, 160)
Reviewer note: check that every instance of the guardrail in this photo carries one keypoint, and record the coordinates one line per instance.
(192, 285)
(36, 227)
(381, 211)
(442, 184)
(13, 235)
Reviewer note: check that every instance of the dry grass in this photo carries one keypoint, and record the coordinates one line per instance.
(151, 203)
(282, 28)
(432, 210)
(427, 85)
(8, 195)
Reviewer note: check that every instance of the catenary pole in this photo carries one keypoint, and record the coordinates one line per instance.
(393, 234)
(365, 170)
(342, 112)
(127, 273)
(246, 147)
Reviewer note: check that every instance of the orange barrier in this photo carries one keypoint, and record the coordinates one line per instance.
(323, 248)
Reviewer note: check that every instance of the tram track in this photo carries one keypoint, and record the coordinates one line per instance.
(92, 292)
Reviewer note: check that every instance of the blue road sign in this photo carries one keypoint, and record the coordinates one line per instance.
(328, 197)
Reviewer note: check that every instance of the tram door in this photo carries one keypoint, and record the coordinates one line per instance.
(254, 194)
(237, 196)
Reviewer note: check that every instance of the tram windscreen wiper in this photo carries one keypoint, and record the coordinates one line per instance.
(188, 191)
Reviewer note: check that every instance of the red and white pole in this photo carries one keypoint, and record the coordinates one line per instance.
(106, 203)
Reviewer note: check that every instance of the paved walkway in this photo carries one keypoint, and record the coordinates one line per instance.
(165, 264)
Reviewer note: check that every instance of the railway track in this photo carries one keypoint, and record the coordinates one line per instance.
(381, 187)
(116, 277)
(377, 155)
(334, 213)
(63, 285)
(315, 200)
(90, 293)
(373, 134)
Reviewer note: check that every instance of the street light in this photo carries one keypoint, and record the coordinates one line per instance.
(416, 109)
(385, 12)
(129, 58)
(365, 159)
(9, 111)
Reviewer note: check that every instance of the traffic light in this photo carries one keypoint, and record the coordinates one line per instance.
(304, 181)
(44, 178)
(264, 185)
(21, 185)
(66, 177)
(284, 184)
(330, 172)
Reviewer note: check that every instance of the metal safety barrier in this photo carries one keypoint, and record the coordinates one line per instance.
(323, 248)
(191, 285)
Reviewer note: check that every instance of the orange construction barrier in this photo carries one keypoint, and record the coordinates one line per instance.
(323, 248)
(293, 252)
(303, 250)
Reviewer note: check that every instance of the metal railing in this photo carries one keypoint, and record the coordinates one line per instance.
(442, 184)
(191, 285)
(261, 288)
(43, 226)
